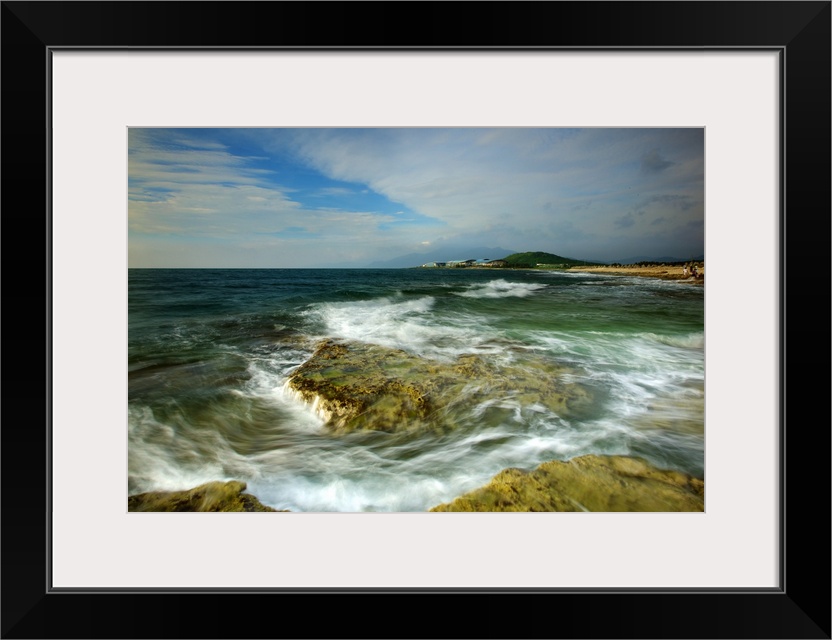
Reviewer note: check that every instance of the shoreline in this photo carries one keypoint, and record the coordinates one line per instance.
(661, 272)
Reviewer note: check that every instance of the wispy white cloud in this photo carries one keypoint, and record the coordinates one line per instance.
(582, 193)
(199, 193)
(475, 178)
(334, 191)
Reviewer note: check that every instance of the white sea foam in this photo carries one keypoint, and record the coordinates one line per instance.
(313, 472)
(268, 382)
(643, 377)
(200, 416)
(501, 289)
(645, 351)
(410, 325)
(328, 478)
(695, 340)
(385, 492)
(432, 479)
(165, 457)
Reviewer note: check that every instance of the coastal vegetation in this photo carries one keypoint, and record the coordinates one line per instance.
(525, 260)
(545, 260)
(669, 269)
(532, 259)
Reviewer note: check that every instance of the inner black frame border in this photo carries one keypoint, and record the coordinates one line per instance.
(799, 31)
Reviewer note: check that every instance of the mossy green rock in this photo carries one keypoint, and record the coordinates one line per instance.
(587, 483)
(212, 496)
(356, 386)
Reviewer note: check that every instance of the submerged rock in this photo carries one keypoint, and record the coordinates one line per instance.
(357, 386)
(587, 483)
(213, 496)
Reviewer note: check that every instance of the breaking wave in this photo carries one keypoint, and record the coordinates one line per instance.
(501, 289)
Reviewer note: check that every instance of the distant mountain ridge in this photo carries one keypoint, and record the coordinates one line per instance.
(534, 258)
(531, 258)
(441, 255)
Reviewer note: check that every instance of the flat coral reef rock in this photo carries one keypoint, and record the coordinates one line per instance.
(356, 386)
(587, 483)
(212, 496)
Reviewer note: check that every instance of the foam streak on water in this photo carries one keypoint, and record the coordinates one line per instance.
(501, 289)
(410, 325)
(211, 353)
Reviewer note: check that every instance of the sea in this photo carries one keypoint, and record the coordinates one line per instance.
(211, 351)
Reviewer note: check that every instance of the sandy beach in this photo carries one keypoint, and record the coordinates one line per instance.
(663, 272)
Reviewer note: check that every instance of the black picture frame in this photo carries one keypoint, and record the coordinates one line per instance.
(799, 608)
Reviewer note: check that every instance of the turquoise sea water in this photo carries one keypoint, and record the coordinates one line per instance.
(210, 352)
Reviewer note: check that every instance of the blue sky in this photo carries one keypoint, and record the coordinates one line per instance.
(246, 197)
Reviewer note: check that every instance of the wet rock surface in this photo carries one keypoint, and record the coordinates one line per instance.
(587, 483)
(355, 386)
(212, 496)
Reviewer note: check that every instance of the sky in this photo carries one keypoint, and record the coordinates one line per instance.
(282, 198)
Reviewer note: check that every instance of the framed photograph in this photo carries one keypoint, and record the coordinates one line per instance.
(106, 106)
(292, 293)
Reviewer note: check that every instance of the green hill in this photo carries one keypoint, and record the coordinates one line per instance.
(534, 258)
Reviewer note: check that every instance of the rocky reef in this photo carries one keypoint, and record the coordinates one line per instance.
(212, 496)
(586, 483)
(356, 386)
